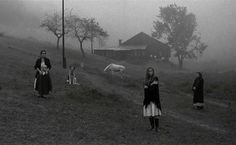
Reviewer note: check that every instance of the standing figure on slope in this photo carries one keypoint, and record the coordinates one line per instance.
(151, 102)
(42, 82)
(198, 89)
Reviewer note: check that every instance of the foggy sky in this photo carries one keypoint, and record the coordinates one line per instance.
(125, 18)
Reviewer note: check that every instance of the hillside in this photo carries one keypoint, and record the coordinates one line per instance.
(105, 109)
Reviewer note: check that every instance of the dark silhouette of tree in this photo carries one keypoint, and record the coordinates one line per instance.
(85, 29)
(95, 31)
(79, 29)
(178, 28)
(53, 24)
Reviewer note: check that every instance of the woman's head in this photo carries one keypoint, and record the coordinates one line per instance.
(149, 72)
(43, 53)
(199, 74)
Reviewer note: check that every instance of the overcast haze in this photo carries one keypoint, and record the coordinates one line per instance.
(125, 18)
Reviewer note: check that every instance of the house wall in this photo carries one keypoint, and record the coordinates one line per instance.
(122, 54)
(135, 54)
(159, 52)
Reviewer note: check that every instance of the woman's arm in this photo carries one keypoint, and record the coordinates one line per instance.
(37, 65)
(154, 87)
(40, 72)
(194, 87)
(155, 82)
(49, 64)
(145, 100)
(145, 90)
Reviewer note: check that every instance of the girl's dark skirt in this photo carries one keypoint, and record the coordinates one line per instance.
(198, 99)
(43, 84)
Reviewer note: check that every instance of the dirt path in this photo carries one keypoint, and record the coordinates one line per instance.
(215, 103)
(135, 96)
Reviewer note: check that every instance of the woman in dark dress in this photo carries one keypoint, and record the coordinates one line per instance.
(198, 88)
(151, 102)
(43, 81)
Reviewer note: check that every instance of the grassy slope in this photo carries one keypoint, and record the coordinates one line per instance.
(103, 110)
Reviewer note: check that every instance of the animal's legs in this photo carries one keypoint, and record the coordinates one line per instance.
(122, 74)
(111, 74)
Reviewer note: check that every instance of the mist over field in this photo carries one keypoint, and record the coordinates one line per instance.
(98, 96)
(123, 19)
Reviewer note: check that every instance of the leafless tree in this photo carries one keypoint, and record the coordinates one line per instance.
(53, 24)
(95, 31)
(79, 29)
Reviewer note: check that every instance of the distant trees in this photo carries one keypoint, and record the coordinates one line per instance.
(81, 29)
(85, 29)
(53, 24)
(178, 28)
(95, 31)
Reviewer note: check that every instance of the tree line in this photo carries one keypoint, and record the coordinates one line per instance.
(174, 25)
(76, 27)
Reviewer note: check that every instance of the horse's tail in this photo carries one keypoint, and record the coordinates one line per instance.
(106, 68)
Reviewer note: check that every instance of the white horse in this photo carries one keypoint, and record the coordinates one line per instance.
(115, 68)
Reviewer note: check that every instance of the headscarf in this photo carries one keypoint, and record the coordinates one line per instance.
(200, 74)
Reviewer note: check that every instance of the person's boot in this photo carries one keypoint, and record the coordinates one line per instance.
(151, 119)
(156, 124)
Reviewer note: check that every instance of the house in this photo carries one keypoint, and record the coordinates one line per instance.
(140, 46)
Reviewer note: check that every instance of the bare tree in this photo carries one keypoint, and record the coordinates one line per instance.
(198, 47)
(53, 24)
(79, 29)
(95, 31)
(84, 29)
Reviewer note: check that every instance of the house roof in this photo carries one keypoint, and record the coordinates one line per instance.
(120, 48)
(138, 42)
(143, 39)
(132, 47)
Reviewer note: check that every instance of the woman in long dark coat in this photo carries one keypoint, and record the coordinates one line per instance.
(151, 102)
(43, 81)
(198, 88)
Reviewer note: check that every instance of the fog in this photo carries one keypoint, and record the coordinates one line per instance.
(124, 18)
